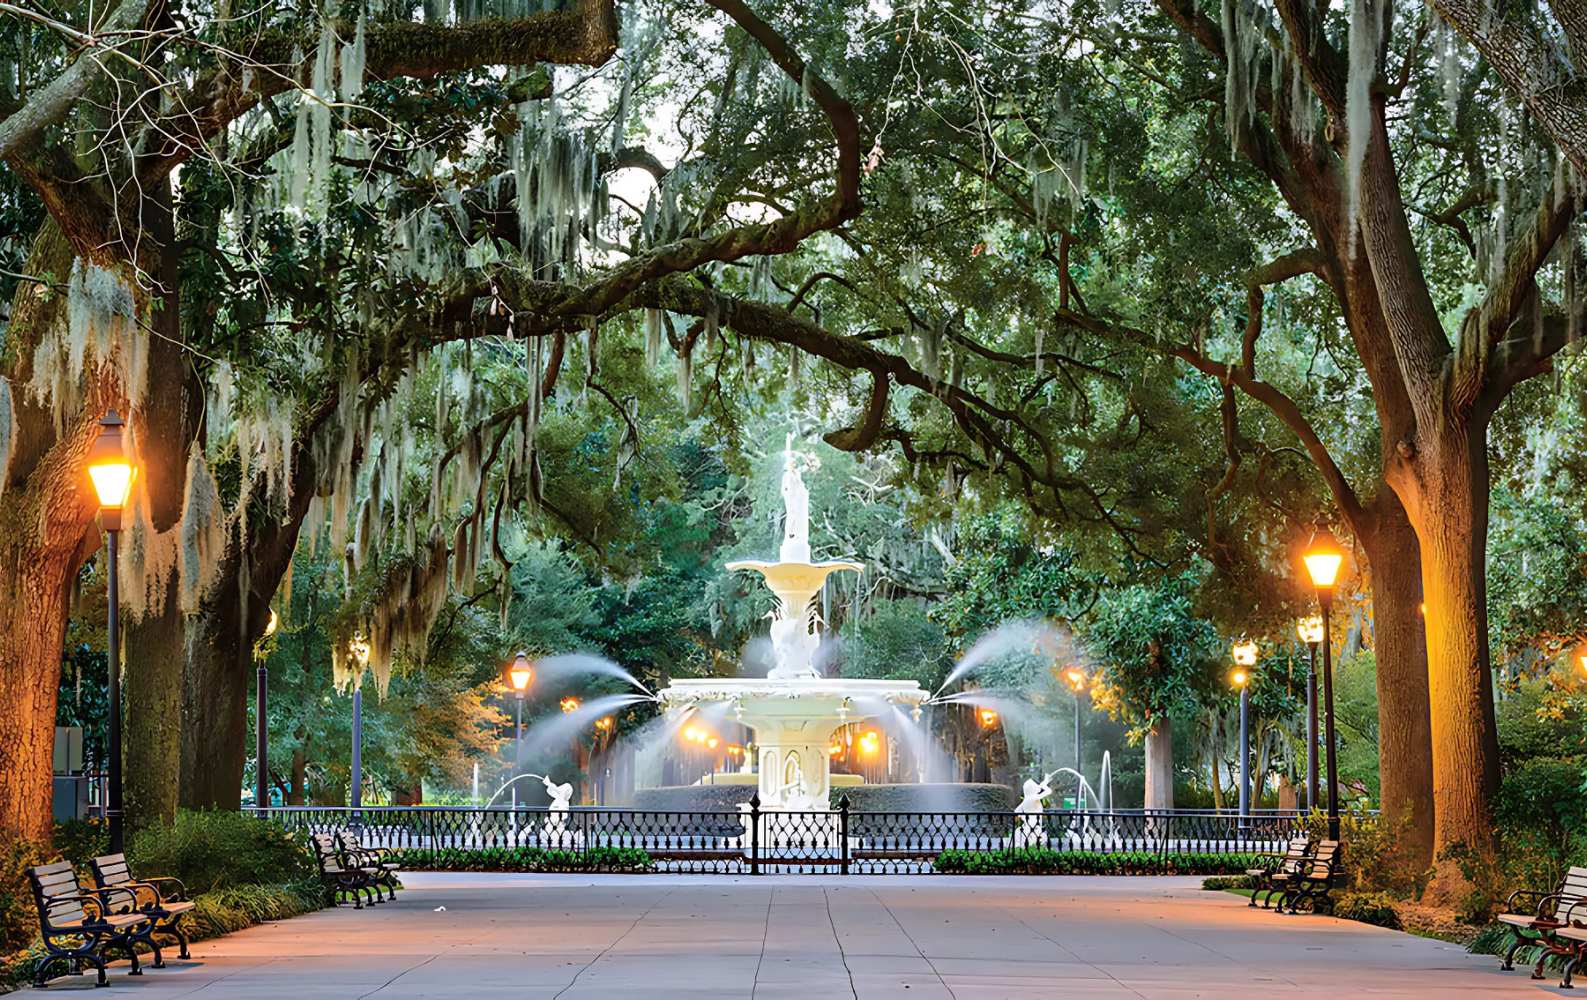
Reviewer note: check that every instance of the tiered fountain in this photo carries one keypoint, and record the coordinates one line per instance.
(794, 710)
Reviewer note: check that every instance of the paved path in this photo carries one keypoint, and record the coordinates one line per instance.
(814, 938)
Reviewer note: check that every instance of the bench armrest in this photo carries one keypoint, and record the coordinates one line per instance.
(129, 890)
(156, 881)
(1541, 897)
(1575, 912)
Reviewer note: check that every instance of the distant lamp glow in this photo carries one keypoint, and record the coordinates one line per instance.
(870, 743)
(1310, 629)
(520, 673)
(359, 650)
(1323, 558)
(988, 718)
(1076, 677)
(1245, 653)
(691, 734)
(270, 626)
(734, 749)
(107, 464)
(570, 704)
(605, 723)
(835, 750)
(712, 742)
(1583, 660)
(1240, 677)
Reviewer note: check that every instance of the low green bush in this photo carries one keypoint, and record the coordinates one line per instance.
(914, 797)
(1045, 861)
(1218, 883)
(214, 850)
(525, 859)
(1369, 908)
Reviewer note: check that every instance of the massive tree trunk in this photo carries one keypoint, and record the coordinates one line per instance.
(1160, 764)
(1405, 764)
(154, 642)
(221, 636)
(46, 531)
(1446, 481)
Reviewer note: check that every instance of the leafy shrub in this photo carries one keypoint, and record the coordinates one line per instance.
(1221, 882)
(525, 859)
(1046, 861)
(1368, 907)
(18, 917)
(81, 840)
(1379, 853)
(214, 850)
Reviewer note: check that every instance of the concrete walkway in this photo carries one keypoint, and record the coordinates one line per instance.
(815, 937)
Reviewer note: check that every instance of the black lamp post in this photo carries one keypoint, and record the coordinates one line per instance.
(360, 650)
(261, 731)
(519, 674)
(1311, 633)
(112, 476)
(1077, 680)
(1323, 557)
(1245, 652)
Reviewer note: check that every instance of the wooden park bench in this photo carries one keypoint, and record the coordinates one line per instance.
(340, 876)
(1550, 923)
(1314, 881)
(375, 858)
(78, 928)
(1288, 864)
(159, 898)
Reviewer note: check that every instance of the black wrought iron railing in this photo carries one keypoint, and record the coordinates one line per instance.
(752, 840)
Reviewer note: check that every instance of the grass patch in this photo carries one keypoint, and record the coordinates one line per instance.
(1045, 861)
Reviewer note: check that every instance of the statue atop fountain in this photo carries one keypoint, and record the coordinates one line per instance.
(793, 710)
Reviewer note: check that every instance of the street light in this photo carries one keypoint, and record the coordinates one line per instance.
(112, 476)
(519, 674)
(987, 717)
(261, 747)
(1311, 633)
(570, 705)
(359, 649)
(1323, 559)
(1245, 652)
(1077, 680)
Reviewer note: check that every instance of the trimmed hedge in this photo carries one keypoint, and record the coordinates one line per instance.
(525, 859)
(1046, 861)
(693, 798)
(949, 798)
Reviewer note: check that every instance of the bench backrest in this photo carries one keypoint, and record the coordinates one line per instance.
(325, 851)
(50, 884)
(1325, 860)
(111, 870)
(350, 841)
(1295, 855)
(1571, 904)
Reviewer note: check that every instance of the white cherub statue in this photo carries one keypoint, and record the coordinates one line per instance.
(1030, 831)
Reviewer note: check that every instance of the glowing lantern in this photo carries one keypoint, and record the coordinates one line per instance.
(988, 718)
(1310, 629)
(570, 704)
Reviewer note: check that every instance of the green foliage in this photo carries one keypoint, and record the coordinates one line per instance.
(1004, 574)
(1378, 854)
(81, 840)
(1356, 717)
(1218, 883)
(18, 917)
(1157, 657)
(901, 640)
(693, 798)
(962, 797)
(1046, 861)
(525, 859)
(216, 850)
(1369, 908)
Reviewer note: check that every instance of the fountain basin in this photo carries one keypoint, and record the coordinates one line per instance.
(794, 719)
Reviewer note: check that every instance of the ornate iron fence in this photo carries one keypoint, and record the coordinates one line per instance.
(753, 840)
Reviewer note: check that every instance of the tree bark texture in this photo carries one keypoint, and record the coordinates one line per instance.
(46, 531)
(155, 643)
(1160, 764)
(1405, 759)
